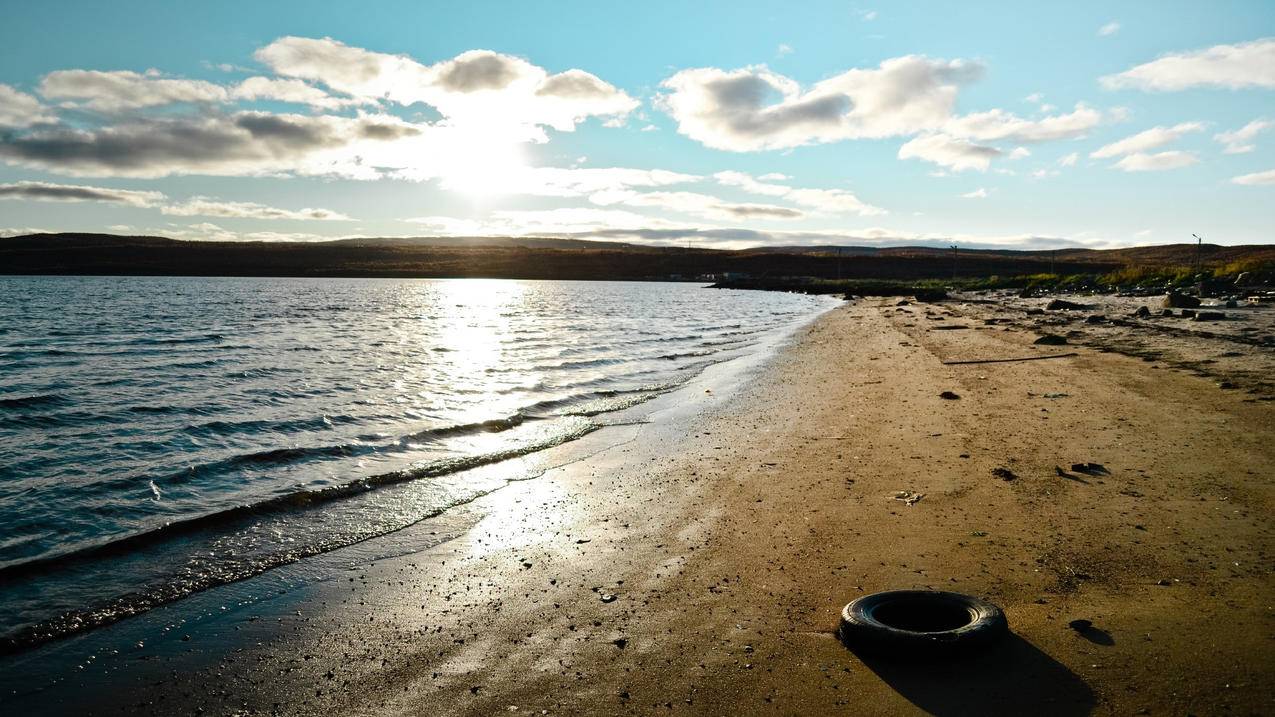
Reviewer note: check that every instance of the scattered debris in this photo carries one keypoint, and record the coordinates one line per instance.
(1009, 360)
(1004, 473)
(909, 497)
(1089, 468)
(948, 395)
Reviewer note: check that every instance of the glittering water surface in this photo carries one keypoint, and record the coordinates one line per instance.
(162, 435)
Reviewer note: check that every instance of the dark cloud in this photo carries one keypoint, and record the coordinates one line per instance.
(244, 143)
(45, 191)
(478, 70)
(760, 210)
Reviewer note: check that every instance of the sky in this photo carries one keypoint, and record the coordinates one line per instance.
(732, 124)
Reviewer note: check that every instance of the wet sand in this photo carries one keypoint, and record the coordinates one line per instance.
(699, 565)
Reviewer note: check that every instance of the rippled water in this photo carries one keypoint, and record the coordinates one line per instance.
(162, 435)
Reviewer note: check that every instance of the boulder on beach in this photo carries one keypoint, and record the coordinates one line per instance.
(1064, 305)
(1210, 316)
(1180, 301)
(1051, 340)
(1142, 312)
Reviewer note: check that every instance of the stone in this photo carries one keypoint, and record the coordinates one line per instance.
(1050, 340)
(1142, 312)
(1064, 305)
(1180, 301)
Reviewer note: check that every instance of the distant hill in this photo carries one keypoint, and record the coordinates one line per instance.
(550, 258)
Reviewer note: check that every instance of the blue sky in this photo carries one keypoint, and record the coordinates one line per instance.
(714, 124)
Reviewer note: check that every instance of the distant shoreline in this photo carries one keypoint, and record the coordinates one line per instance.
(560, 259)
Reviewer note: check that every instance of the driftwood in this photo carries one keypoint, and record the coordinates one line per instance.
(1008, 360)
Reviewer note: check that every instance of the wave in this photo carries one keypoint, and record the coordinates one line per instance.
(218, 522)
(36, 401)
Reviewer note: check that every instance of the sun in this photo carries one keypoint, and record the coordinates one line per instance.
(482, 164)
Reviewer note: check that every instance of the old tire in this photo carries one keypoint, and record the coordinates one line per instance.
(920, 623)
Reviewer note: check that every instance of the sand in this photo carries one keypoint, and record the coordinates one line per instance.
(699, 566)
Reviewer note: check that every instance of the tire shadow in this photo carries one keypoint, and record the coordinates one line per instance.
(1012, 677)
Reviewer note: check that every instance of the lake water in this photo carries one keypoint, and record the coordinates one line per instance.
(159, 436)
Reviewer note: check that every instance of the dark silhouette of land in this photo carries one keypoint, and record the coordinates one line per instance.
(547, 258)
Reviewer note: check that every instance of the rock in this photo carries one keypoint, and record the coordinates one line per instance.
(902, 302)
(607, 597)
(1034, 312)
(1188, 314)
(1232, 304)
(1142, 312)
(930, 295)
(1210, 316)
(1004, 473)
(1166, 312)
(1080, 625)
(1096, 319)
(1050, 340)
(948, 395)
(1175, 300)
(620, 643)
(1063, 305)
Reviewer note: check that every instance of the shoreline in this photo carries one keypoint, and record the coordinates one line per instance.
(700, 564)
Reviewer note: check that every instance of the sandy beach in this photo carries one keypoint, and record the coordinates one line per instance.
(698, 562)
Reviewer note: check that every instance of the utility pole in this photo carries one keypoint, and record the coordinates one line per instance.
(955, 256)
(1199, 248)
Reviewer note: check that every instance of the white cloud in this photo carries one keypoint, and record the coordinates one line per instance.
(209, 207)
(823, 200)
(540, 222)
(1020, 153)
(696, 204)
(1243, 65)
(999, 125)
(774, 177)
(1068, 160)
(50, 192)
(756, 109)
(979, 193)
(18, 109)
(294, 91)
(1109, 29)
(478, 88)
(868, 15)
(783, 50)
(1141, 162)
(123, 90)
(1147, 139)
(1256, 178)
(951, 152)
(1240, 141)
